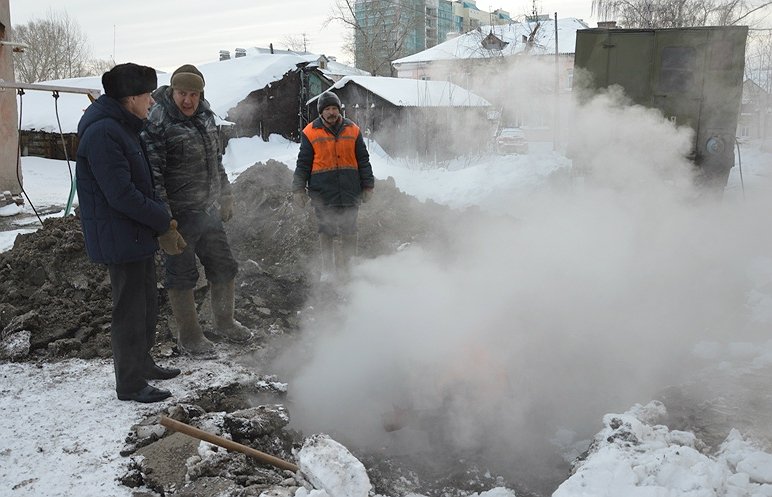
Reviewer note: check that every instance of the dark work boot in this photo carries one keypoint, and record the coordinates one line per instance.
(156, 372)
(146, 395)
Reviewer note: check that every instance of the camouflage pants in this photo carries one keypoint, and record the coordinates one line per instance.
(205, 235)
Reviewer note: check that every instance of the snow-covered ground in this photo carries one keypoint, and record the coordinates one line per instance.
(61, 428)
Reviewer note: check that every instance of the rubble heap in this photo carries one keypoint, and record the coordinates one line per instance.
(55, 303)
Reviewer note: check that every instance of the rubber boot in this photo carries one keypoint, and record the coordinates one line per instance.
(328, 258)
(348, 251)
(190, 336)
(223, 295)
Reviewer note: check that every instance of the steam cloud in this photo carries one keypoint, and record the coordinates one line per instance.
(583, 299)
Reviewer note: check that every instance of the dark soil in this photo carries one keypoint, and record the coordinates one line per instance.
(49, 287)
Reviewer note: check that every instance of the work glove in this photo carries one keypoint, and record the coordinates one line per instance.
(367, 194)
(299, 199)
(226, 208)
(172, 242)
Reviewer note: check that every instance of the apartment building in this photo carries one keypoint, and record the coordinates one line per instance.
(391, 29)
(466, 17)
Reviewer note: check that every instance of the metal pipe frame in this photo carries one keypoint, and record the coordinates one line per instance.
(61, 89)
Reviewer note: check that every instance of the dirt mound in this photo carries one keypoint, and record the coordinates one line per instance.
(49, 288)
(55, 303)
(269, 229)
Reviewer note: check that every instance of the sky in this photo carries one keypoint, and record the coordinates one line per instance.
(166, 35)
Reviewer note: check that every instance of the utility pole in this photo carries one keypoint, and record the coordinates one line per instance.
(10, 170)
(556, 132)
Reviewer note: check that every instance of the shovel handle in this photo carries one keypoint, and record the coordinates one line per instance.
(181, 427)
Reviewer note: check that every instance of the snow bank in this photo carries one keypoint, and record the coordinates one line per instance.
(633, 456)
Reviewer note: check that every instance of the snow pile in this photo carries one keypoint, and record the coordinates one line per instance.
(11, 210)
(330, 467)
(634, 456)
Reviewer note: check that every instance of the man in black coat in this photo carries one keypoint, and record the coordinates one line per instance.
(122, 220)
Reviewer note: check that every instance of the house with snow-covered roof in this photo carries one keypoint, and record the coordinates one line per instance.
(492, 60)
(328, 65)
(488, 45)
(412, 117)
(260, 94)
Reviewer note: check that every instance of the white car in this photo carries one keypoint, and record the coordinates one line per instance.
(511, 140)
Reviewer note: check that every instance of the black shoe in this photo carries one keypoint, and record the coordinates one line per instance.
(146, 395)
(160, 373)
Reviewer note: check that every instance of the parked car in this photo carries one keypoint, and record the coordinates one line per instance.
(511, 140)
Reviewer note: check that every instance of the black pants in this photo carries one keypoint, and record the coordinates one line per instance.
(135, 313)
(336, 220)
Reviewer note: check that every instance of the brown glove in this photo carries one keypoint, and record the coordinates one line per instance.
(226, 208)
(299, 199)
(172, 242)
(367, 194)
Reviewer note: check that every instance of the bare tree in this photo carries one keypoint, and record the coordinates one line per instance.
(296, 43)
(758, 59)
(380, 31)
(678, 13)
(58, 49)
(97, 67)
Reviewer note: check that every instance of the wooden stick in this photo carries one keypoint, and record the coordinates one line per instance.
(225, 443)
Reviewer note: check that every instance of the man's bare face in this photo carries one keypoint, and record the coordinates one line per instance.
(331, 115)
(187, 101)
(139, 105)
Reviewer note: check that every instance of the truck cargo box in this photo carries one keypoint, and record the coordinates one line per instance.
(693, 75)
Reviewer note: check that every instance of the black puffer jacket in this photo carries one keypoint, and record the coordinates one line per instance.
(185, 155)
(119, 210)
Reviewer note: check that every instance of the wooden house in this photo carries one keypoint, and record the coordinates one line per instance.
(415, 118)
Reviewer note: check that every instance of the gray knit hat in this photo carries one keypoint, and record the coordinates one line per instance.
(325, 100)
(187, 77)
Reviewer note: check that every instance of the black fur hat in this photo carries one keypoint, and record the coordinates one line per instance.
(126, 80)
(325, 100)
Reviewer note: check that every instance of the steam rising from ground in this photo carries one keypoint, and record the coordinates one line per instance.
(582, 299)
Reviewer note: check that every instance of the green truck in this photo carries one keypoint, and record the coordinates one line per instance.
(693, 75)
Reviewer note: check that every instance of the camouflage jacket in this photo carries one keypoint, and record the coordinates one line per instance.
(185, 155)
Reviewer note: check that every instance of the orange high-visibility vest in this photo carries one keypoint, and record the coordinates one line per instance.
(333, 152)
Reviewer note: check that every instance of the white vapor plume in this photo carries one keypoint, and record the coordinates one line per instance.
(579, 300)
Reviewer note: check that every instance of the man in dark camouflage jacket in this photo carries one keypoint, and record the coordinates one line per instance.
(184, 152)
